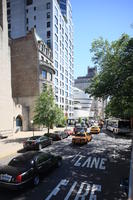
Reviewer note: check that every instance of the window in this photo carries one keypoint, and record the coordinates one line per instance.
(48, 43)
(48, 15)
(44, 74)
(56, 20)
(56, 29)
(8, 12)
(48, 24)
(56, 64)
(48, 5)
(34, 7)
(27, 28)
(56, 11)
(50, 75)
(56, 46)
(8, 4)
(34, 17)
(48, 34)
(27, 20)
(29, 2)
(27, 10)
(56, 38)
(56, 72)
(9, 26)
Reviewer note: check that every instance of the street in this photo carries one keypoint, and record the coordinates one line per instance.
(91, 171)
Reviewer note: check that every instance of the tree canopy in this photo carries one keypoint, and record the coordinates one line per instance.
(47, 113)
(115, 75)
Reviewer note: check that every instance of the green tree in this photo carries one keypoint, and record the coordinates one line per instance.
(47, 112)
(115, 77)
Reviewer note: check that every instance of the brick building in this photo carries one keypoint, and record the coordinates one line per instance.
(32, 69)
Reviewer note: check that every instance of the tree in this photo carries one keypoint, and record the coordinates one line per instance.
(115, 77)
(47, 112)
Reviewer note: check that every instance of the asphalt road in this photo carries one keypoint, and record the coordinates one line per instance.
(88, 172)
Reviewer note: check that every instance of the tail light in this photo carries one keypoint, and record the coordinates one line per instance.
(19, 178)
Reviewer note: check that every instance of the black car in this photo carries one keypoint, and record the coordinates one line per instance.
(58, 135)
(27, 168)
(37, 142)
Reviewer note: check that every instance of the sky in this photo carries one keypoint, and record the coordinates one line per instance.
(94, 18)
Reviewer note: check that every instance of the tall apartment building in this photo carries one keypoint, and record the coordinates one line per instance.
(6, 102)
(53, 22)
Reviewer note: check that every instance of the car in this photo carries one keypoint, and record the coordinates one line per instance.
(82, 138)
(3, 137)
(94, 129)
(57, 135)
(79, 129)
(27, 168)
(68, 131)
(37, 142)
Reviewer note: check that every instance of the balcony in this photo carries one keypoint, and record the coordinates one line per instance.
(48, 66)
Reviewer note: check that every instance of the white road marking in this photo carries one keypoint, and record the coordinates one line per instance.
(82, 196)
(63, 182)
(87, 187)
(91, 162)
(70, 191)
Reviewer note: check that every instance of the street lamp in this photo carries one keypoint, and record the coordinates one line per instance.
(32, 122)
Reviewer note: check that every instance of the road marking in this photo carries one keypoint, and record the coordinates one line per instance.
(63, 182)
(84, 187)
(91, 162)
(82, 196)
(75, 156)
(70, 191)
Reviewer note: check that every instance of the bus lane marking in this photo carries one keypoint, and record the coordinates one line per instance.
(85, 191)
(90, 162)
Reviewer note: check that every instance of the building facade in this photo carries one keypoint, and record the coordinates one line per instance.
(32, 70)
(53, 21)
(83, 82)
(82, 105)
(6, 102)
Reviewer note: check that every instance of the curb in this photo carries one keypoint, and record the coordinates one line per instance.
(130, 193)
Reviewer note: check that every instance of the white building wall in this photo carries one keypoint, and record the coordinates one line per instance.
(6, 103)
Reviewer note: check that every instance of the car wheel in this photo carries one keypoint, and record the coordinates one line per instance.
(40, 147)
(36, 180)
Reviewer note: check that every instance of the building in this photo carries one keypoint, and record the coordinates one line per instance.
(6, 102)
(32, 69)
(83, 82)
(82, 105)
(53, 22)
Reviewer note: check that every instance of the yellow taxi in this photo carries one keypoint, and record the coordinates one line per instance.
(95, 129)
(81, 138)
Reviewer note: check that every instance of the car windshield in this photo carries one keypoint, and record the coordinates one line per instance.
(19, 162)
(34, 138)
(80, 135)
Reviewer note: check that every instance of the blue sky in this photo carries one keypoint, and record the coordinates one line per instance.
(95, 18)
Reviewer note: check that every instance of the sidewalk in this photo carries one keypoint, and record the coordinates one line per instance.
(14, 141)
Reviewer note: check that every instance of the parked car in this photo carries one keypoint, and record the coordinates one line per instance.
(2, 136)
(94, 129)
(68, 131)
(27, 168)
(81, 138)
(57, 135)
(37, 142)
